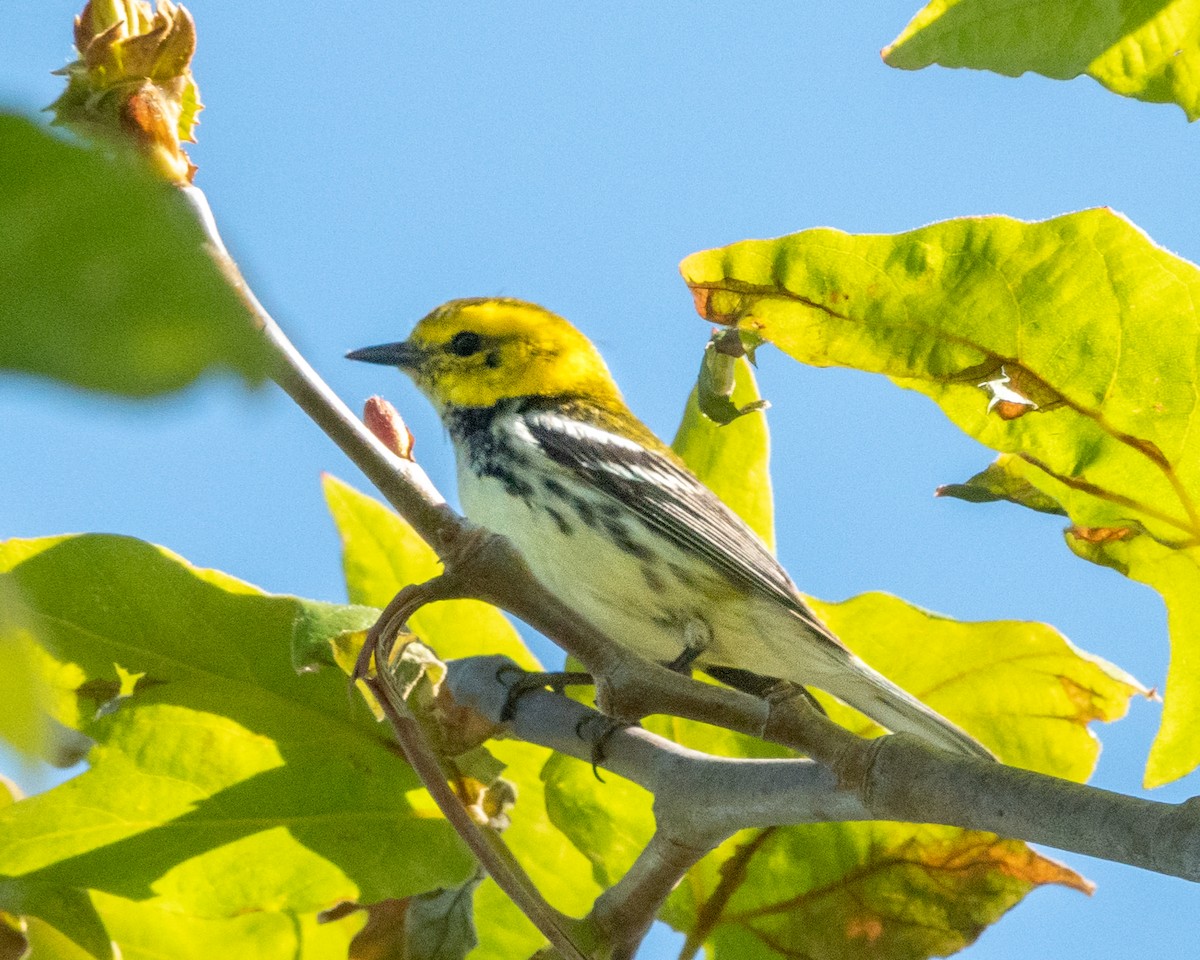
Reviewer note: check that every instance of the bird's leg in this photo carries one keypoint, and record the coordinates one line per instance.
(557, 681)
(605, 727)
(760, 685)
(697, 637)
(451, 584)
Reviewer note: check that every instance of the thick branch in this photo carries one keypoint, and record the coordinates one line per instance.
(699, 799)
(907, 781)
(405, 485)
(897, 777)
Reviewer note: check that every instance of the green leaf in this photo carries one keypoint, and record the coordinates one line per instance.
(381, 553)
(1176, 575)
(845, 891)
(732, 459)
(10, 793)
(609, 823)
(228, 798)
(994, 483)
(1021, 688)
(107, 284)
(440, 925)
(1146, 49)
(25, 694)
(1070, 343)
(1101, 534)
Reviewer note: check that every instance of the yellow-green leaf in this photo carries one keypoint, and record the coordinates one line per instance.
(1021, 688)
(1176, 575)
(107, 284)
(381, 553)
(228, 798)
(1072, 343)
(25, 692)
(733, 459)
(1148, 50)
(1102, 533)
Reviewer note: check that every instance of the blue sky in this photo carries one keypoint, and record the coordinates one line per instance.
(367, 162)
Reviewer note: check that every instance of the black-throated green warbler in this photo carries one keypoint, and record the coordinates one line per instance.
(610, 520)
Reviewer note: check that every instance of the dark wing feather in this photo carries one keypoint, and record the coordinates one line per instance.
(669, 499)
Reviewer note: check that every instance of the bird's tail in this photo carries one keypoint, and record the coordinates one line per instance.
(898, 710)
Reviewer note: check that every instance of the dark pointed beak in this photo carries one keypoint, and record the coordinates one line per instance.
(402, 354)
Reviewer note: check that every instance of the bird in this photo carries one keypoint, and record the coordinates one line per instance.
(612, 522)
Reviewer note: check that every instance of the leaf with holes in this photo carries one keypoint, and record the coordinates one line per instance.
(1071, 343)
(1150, 51)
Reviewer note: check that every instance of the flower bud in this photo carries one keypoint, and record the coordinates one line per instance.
(133, 82)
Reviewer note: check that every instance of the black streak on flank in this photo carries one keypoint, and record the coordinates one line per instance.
(555, 488)
(623, 540)
(563, 527)
(683, 575)
(653, 580)
(514, 486)
(586, 512)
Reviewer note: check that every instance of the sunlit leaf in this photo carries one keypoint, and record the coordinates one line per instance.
(843, 892)
(732, 459)
(106, 282)
(1102, 533)
(381, 553)
(1148, 50)
(25, 693)
(1021, 688)
(228, 799)
(1085, 321)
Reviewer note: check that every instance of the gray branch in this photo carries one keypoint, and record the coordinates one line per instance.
(703, 799)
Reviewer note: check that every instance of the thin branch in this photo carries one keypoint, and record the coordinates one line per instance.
(488, 850)
(405, 485)
(626, 910)
(733, 875)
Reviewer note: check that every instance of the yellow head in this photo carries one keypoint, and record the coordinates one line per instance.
(473, 353)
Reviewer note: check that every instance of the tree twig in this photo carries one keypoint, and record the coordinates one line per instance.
(555, 926)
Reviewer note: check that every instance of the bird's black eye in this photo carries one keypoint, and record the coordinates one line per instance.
(464, 343)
